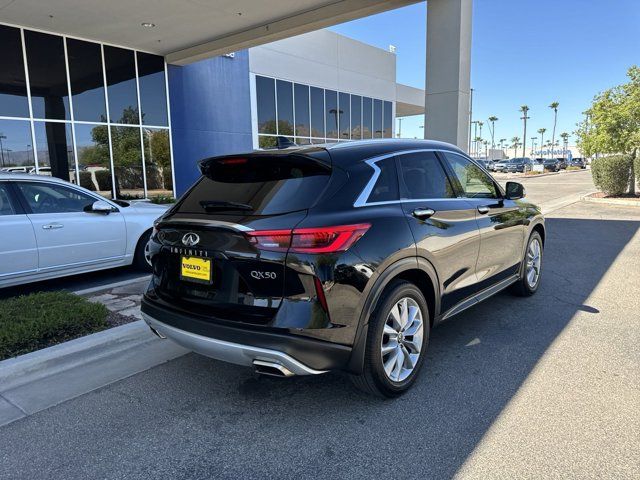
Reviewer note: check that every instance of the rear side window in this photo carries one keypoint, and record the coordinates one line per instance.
(422, 176)
(263, 185)
(386, 186)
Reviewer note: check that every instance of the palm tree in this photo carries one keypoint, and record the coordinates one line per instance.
(515, 143)
(554, 107)
(565, 143)
(541, 132)
(492, 120)
(524, 109)
(478, 141)
(486, 144)
(480, 124)
(502, 140)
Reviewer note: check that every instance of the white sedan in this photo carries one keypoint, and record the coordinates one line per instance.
(51, 228)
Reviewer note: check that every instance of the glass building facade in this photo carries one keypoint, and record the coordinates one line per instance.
(306, 114)
(93, 114)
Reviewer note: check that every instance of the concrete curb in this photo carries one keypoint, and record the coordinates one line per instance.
(111, 286)
(38, 380)
(611, 201)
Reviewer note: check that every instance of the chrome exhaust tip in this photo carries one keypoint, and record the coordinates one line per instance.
(272, 369)
(157, 333)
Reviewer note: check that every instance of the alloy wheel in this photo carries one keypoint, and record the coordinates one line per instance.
(147, 254)
(402, 339)
(534, 261)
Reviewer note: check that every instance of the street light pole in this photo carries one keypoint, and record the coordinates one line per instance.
(2, 148)
(470, 119)
(524, 109)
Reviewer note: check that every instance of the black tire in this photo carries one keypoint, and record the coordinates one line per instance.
(139, 259)
(522, 287)
(373, 380)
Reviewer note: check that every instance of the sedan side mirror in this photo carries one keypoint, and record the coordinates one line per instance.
(100, 206)
(515, 191)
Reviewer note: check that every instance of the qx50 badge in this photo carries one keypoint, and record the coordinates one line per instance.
(190, 239)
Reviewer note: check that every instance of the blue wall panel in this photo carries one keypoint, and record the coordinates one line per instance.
(210, 112)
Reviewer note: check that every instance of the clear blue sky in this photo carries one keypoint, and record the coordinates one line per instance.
(524, 52)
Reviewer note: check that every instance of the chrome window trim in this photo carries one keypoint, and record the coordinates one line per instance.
(361, 201)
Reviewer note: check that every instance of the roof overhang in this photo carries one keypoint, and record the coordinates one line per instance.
(409, 101)
(189, 30)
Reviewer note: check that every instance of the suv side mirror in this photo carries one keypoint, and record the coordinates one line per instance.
(515, 191)
(100, 206)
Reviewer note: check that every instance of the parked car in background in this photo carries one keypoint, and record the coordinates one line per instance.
(551, 164)
(562, 163)
(578, 162)
(51, 228)
(500, 166)
(310, 259)
(16, 169)
(519, 165)
(488, 164)
(41, 171)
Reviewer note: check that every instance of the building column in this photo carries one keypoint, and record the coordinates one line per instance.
(448, 71)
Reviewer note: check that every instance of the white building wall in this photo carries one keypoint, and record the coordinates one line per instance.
(328, 60)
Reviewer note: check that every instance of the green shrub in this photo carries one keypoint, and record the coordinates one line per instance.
(612, 174)
(162, 199)
(86, 181)
(103, 177)
(38, 320)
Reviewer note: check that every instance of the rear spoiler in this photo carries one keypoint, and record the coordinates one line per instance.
(319, 156)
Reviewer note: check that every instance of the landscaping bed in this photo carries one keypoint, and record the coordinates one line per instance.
(42, 319)
(623, 199)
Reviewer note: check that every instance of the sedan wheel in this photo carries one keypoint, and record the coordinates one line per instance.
(147, 254)
(402, 339)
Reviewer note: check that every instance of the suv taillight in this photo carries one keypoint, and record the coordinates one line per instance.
(309, 240)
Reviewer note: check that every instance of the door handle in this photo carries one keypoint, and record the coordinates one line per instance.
(483, 209)
(423, 213)
(52, 226)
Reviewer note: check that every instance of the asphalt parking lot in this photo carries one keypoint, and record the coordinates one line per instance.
(542, 387)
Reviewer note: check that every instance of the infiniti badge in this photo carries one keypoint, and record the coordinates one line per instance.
(190, 239)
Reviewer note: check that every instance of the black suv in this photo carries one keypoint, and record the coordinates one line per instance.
(338, 257)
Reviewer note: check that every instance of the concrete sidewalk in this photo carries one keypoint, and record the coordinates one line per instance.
(38, 380)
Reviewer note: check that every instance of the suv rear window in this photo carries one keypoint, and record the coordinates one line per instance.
(262, 185)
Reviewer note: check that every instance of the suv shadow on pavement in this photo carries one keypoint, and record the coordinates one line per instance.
(195, 417)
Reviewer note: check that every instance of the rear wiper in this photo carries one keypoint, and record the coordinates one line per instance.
(216, 205)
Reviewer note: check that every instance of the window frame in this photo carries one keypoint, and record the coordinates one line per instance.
(362, 199)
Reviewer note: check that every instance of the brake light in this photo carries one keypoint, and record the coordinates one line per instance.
(309, 240)
(232, 161)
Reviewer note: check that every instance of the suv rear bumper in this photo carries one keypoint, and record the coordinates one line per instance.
(243, 346)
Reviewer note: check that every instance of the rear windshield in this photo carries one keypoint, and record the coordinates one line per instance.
(263, 185)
